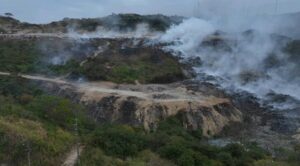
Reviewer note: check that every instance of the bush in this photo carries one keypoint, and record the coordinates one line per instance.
(18, 135)
(16, 86)
(60, 111)
(172, 151)
(236, 150)
(172, 126)
(120, 141)
(225, 158)
(18, 56)
(2, 31)
(186, 159)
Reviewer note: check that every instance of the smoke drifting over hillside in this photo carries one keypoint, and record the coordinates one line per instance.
(238, 42)
(250, 60)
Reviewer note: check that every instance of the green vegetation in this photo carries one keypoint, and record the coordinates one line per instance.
(123, 22)
(127, 65)
(2, 31)
(35, 124)
(147, 65)
(8, 20)
(18, 56)
(171, 142)
(155, 22)
(293, 49)
(31, 121)
(40, 125)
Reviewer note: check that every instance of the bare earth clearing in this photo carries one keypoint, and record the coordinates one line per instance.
(153, 92)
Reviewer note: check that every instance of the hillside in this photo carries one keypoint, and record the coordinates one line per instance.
(128, 99)
(115, 22)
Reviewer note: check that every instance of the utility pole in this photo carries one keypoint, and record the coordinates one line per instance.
(196, 8)
(276, 7)
(77, 137)
(28, 153)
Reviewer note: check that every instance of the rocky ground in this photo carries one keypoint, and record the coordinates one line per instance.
(148, 104)
(237, 117)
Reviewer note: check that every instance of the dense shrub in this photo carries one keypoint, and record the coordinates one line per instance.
(120, 141)
(18, 56)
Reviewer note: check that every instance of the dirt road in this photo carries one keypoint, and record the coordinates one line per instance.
(153, 92)
(72, 157)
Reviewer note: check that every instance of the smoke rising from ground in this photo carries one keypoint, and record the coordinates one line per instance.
(140, 31)
(250, 60)
(245, 30)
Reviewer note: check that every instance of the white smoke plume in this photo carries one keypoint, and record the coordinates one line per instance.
(140, 31)
(242, 62)
(188, 34)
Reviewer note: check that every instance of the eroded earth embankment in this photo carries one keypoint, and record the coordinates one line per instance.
(146, 105)
(200, 104)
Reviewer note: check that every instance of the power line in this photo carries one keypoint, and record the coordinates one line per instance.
(196, 8)
(76, 129)
(276, 7)
(28, 153)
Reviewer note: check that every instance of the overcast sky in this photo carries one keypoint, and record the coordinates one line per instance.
(41, 11)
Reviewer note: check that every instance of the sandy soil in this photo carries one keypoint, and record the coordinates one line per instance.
(153, 92)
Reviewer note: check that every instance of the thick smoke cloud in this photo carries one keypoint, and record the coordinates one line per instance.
(250, 60)
(43, 11)
(247, 55)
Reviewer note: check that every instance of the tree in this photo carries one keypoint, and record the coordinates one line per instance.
(8, 14)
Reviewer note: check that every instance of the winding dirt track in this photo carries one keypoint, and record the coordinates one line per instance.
(72, 157)
(174, 95)
(169, 93)
(84, 86)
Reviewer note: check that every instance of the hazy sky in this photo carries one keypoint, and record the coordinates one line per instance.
(50, 10)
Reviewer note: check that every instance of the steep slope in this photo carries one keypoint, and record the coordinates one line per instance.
(147, 105)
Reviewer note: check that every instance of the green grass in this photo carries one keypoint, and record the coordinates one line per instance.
(42, 123)
(18, 56)
(30, 118)
(21, 129)
(171, 144)
(2, 31)
(20, 134)
(143, 65)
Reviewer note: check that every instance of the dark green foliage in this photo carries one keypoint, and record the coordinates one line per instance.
(18, 56)
(186, 159)
(293, 54)
(72, 66)
(146, 65)
(120, 141)
(89, 24)
(16, 86)
(225, 158)
(293, 48)
(2, 31)
(172, 126)
(130, 22)
(236, 150)
(126, 65)
(47, 125)
(44, 123)
(59, 111)
(171, 141)
(185, 148)
(173, 149)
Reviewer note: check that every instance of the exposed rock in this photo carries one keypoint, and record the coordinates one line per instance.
(108, 102)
